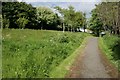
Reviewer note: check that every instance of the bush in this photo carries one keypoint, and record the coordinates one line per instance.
(21, 22)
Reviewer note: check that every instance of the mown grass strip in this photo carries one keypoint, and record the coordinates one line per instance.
(63, 68)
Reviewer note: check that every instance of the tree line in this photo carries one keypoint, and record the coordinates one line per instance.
(22, 15)
(106, 17)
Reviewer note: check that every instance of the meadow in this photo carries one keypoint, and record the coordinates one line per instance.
(35, 53)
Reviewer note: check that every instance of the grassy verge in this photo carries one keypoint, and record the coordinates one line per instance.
(110, 47)
(0, 60)
(35, 53)
(63, 68)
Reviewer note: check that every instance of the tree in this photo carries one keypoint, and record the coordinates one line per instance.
(72, 19)
(22, 22)
(84, 21)
(111, 17)
(9, 0)
(78, 20)
(47, 18)
(16, 10)
(95, 24)
(107, 12)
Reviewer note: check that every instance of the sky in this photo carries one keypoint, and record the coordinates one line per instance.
(79, 5)
(60, 0)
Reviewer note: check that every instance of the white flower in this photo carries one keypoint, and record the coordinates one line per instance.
(15, 72)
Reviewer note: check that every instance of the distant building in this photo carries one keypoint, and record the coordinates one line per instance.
(89, 31)
(82, 30)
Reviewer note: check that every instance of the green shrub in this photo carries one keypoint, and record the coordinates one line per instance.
(21, 22)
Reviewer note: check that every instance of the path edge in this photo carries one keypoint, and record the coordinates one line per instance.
(64, 67)
(109, 66)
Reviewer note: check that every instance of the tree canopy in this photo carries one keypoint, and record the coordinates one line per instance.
(108, 14)
(23, 15)
(15, 10)
(47, 19)
(72, 19)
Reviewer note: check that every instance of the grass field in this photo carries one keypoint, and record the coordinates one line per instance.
(35, 53)
(110, 45)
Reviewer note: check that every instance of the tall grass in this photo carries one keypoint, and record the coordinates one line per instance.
(110, 44)
(35, 53)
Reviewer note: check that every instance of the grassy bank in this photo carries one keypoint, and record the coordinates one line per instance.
(35, 53)
(61, 70)
(110, 45)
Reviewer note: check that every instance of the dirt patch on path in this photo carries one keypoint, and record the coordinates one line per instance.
(90, 63)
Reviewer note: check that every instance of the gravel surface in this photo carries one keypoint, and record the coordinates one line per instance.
(89, 63)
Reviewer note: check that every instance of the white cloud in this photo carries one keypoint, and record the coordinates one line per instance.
(79, 6)
(69, 0)
(61, 0)
(19, 0)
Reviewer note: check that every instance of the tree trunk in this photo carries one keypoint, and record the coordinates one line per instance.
(68, 28)
(41, 25)
(63, 28)
(84, 28)
(71, 28)
(119, 18)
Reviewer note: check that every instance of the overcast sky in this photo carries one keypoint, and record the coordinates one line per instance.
(60, 0)
(79, 5)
